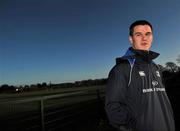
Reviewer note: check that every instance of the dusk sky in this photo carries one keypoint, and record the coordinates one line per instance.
(71, 40)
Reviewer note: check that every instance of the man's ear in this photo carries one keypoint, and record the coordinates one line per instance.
(130, 39)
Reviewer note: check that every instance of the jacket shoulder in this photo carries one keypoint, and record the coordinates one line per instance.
(121, 66)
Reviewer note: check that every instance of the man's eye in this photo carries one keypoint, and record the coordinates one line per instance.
(138, 34)
(148, 34)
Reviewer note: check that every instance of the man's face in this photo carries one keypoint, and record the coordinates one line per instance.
(142, 37)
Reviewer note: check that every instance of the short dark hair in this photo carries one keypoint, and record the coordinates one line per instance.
(138, 22)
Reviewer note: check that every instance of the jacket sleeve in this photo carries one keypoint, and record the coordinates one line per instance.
(115, 99)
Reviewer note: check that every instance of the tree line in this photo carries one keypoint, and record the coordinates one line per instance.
(5, 88)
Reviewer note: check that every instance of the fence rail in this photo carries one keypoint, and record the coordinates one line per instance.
(51, 112)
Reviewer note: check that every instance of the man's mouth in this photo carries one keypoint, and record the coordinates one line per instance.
(144, 44)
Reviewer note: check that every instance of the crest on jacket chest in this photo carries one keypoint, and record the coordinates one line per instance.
(141, 73)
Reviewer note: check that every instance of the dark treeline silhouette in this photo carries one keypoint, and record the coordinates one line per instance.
(5, 88)
(171, 77)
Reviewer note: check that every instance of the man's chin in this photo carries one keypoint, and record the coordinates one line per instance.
(142, 48)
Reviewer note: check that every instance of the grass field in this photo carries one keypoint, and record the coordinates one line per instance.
(54, 104)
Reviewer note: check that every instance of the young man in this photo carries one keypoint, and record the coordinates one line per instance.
(135, 97)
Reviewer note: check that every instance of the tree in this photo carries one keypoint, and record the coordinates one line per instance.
(44, 85)
(171, 66)
(7, 89)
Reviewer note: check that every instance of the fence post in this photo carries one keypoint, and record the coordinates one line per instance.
(42, 115)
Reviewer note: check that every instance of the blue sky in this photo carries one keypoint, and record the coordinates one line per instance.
(69, 40)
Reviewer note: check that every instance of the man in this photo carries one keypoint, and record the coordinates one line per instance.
(135, 97)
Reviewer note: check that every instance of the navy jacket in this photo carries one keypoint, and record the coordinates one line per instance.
(135, 97)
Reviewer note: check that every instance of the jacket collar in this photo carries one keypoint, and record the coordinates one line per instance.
(138, 54)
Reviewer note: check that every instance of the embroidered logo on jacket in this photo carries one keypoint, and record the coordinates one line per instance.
(153, 90)
(141, 73)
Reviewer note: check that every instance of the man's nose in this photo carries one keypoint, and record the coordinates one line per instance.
(144, 37)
